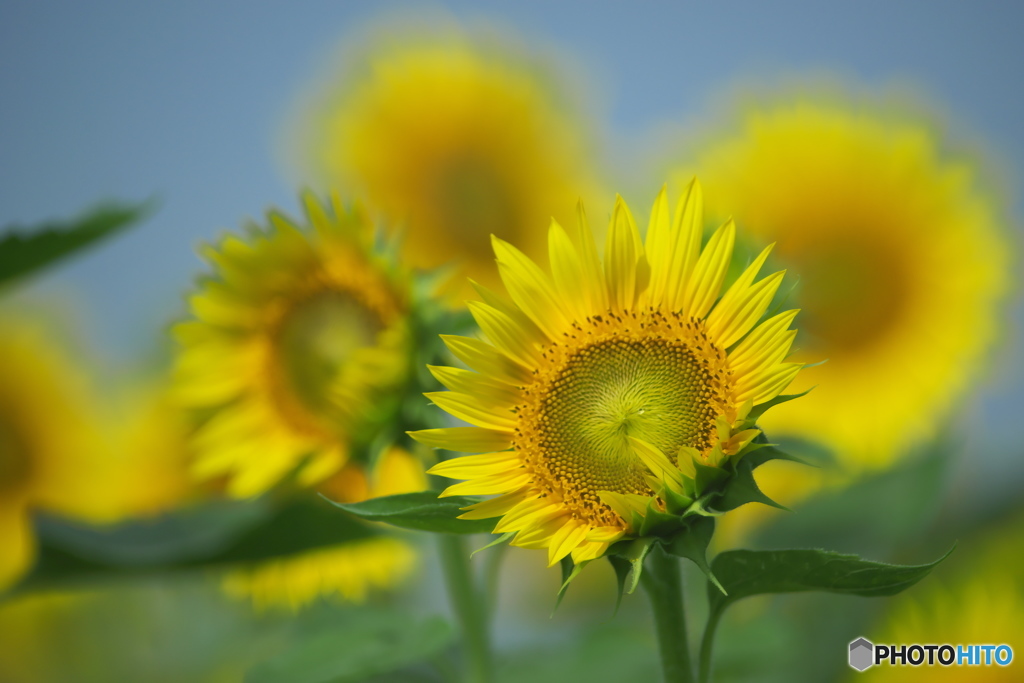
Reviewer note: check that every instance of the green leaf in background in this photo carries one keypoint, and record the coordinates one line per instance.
(422, 511)
(744, 573)
(26, 250)
(215, 535)
(376, 644)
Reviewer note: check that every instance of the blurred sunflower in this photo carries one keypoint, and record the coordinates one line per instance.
(876, 219)
(147, 457)
(597, 381)
(456, 138)
(48, 437)
(299, 351)
(982, 604)
(346, 571)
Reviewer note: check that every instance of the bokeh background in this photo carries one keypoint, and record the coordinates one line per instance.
(193, 104)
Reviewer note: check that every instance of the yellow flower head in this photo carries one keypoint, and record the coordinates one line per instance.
(47, 439)
(986, 610)
(347, 571)
(299, 349)
(902, 263)
(603, 383)
(455, 138)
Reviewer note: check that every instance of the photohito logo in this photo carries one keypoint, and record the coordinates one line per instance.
(865, 654)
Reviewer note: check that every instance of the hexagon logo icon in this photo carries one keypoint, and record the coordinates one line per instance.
(862, 654)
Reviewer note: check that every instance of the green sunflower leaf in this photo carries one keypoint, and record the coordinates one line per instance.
(25, 251)
(744, 573)
(422, 511)
(221, 534)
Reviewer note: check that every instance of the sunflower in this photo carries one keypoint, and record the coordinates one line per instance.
(454, 136)
(41, 466)
(983, 610)
(598, 385)
(298, 351)
(902, 260)
(347, 571)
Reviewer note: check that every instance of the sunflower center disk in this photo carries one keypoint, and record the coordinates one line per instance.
(15, 456)
(575, 434)
(317, 337)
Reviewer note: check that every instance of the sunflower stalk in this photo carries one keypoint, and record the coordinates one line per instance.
(469, 607)
(706, 646)
(663, 583)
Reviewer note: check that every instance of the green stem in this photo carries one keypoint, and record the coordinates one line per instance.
(706, 643)
(663, 583)
(468, 606)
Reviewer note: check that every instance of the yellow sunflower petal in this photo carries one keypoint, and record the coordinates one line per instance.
(567, 271)
(494, 507)
(729, 321)
(565, 540)
(489, 485)
(504, 333)
(622, 253)
(486, 359)
(494, 392)
(464, 439)
(593, 274)
(588, 551)
(688, 229)
(470, 409)
(530, 288)
(709, 273)
(476, 466)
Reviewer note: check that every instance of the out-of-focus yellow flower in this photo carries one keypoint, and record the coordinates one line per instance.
(300, 349)
(144, 470)
(348, 571)
(48, 438)
(902, 260)
(454, 137)
(984, 605)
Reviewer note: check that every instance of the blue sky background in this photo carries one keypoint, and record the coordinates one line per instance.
(187, 101)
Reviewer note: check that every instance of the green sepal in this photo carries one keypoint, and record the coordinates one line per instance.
(742, 489)
(699, 507)
(569, 572)
(676, 503)
(422, 511)
(504, 538)
(622, 567)
(656, 522)
(757, 454)
(633, 552)
(760, 409)
(692, 543)
(708, 477)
